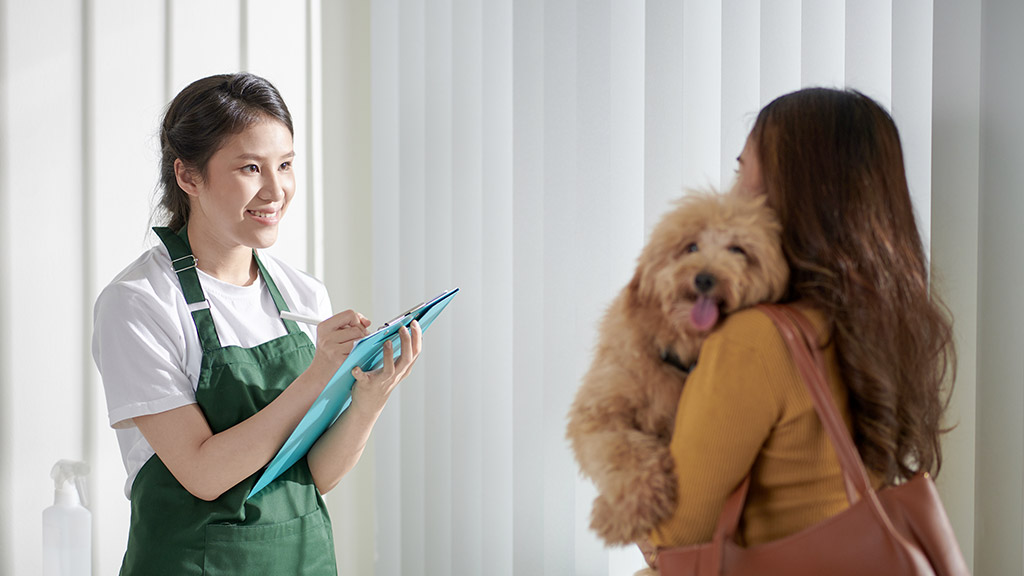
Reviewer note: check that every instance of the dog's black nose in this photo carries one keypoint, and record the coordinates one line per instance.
(704, 282)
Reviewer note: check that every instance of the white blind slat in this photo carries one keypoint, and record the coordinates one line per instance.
(663, 108)
(741, 75)
(204, 46)
(869, 48)
(468, 316)
(528, 339)
(912, 24)
(439, 348)
(558, 318)
(781, 22)
(497, 377)
(386, 195)
(702, 93)
(823, 43)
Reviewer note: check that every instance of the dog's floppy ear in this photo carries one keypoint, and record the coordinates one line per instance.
(633, 288)
(639, 288)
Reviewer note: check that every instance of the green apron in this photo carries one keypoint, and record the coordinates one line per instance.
(284, 528)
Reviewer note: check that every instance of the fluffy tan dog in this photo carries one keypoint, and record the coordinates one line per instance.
(712, 255)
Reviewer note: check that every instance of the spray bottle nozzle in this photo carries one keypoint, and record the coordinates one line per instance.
(70, 470)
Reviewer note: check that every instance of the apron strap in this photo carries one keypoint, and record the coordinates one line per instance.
(290, 325)
(184, 264)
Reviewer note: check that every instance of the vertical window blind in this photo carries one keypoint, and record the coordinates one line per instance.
(522, 150)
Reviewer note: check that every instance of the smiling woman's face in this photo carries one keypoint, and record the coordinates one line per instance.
(748, 174)
(247, 189)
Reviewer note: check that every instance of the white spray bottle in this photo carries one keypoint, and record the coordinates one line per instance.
(67, 525)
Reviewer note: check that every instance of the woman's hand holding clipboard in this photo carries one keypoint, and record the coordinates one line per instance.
(367, 355)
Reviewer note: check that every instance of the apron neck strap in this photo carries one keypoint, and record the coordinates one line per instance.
(282, 306)
(184, 264)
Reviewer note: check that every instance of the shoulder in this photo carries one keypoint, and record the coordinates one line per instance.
(148, 282)
(746, 353)
(739, 354)
(754, 329)
(143, 303)
(141, 312)
(748, 328)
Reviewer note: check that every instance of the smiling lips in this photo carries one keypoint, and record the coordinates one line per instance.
(268, 217)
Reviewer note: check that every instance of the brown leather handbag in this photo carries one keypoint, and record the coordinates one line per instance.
(896, 530)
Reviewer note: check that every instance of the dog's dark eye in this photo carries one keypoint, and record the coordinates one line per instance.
(691, 247)
(737, 250)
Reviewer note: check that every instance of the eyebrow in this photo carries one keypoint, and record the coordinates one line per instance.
(247, 156)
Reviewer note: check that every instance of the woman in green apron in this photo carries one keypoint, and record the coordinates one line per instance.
(204, 380)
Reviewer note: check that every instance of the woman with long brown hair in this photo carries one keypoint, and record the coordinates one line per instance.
(831, 165)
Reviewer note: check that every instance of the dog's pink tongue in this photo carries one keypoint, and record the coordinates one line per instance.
(704, 314)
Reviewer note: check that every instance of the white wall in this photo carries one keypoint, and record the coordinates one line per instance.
(519, 149)
(43, 264)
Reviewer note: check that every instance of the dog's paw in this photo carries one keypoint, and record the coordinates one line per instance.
(625, 520)
(640, 499)
(614, 524)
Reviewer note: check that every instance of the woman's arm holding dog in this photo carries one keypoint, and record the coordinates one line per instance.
(631, 468)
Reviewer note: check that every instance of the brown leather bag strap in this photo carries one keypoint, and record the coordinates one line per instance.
(732, 510)
(802, 339)
(810, 363)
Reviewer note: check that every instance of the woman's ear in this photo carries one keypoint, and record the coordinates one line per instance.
(186, 178)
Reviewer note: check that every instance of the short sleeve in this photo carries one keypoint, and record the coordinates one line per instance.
(139, 350)
(726, 413)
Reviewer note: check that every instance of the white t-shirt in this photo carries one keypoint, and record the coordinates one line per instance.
(147, 349)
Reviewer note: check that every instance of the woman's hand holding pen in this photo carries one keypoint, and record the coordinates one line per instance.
(372, 389)
(336, 337)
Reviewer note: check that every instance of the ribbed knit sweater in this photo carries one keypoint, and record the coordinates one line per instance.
(744, 409)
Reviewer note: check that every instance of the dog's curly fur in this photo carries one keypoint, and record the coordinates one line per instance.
(712, 254)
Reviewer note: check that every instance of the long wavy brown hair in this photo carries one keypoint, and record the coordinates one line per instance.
(833, 169)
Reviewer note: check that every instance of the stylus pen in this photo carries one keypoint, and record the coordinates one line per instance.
(286, 315)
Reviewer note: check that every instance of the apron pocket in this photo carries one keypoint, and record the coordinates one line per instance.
(297, 546)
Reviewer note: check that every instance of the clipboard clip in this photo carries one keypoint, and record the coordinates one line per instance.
(401, 316)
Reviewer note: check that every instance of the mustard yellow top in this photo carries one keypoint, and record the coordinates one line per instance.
(744, 409)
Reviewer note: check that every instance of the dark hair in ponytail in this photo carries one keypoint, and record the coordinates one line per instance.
(198, 121)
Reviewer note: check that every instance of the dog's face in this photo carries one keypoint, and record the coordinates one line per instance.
(713, 254)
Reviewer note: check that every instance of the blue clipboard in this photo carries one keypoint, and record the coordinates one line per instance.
(367, 354)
